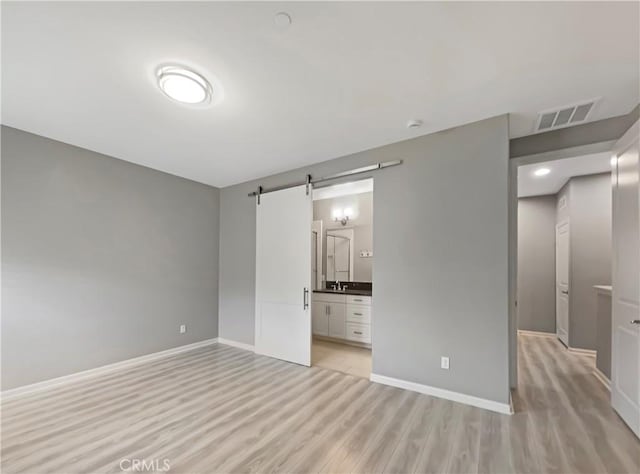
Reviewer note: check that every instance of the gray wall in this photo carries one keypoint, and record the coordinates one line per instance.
(589, 133)
(102, 260)
(536, 263)
(440, 247)
(362, 226)
(589, 212)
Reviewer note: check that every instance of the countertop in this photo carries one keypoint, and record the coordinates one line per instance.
(606, 289)
(345, 292)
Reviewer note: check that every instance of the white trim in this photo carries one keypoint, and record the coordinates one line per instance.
(604, 380)
(504, 408)
(239, 345)
(104, 369)
(586, 352)
(524, 332)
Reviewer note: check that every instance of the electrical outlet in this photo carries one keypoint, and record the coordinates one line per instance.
(183, 328)
(444, 363)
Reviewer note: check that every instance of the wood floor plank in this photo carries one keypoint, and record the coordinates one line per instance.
(352, 450)
(222, 409)
(378, 452)
(466, 448)
(327, 443)
(405, 456)
(98, 437)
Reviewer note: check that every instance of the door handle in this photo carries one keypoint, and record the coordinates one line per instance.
(305, 298)
(635, 321)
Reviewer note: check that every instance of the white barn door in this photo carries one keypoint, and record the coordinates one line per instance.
(283, 275)
(625, 363)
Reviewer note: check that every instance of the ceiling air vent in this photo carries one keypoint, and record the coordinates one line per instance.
(566, 116)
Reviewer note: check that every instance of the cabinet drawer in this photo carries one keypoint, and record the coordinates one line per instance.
(361, 300)
(359, 332)
(359, 314)
(329, 298)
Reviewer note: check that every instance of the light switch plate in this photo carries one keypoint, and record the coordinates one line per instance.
(444, 363)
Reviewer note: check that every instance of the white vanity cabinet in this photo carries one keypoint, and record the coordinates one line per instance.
(319, 318)
(328, 314)
(342, 316)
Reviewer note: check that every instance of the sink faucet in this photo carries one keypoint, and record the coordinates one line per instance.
(338, 285)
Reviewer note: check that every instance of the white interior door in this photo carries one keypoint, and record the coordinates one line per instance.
(625, 344)
(283, 275)
(562, 282)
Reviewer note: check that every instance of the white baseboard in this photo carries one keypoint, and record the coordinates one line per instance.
(524, 332)
(239, 345)
(504, 408)
(604, 380)
(587, 352)
(104, 369)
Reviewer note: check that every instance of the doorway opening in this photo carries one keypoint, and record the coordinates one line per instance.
(568, 238)
(564, 248)
(342, 277)
(564, 255)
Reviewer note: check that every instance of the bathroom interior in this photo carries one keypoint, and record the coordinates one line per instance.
(341, 266)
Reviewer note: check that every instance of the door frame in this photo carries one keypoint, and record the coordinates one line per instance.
(564, 222)
(514, 164)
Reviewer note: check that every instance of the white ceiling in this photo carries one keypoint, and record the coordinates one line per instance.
(560, 171)
(344, 189)
(342, 78)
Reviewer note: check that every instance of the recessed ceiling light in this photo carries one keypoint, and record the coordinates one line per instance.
(614, 160)
(415, 123)
(184, 85)
(282, 20)
(542, 171)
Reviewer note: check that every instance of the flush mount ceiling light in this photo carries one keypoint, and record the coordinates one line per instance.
(542, 171)
(184, 85)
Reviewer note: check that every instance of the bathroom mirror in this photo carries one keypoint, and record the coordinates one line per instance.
(340, 254)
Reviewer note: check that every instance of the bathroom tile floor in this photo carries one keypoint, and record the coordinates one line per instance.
(342, 358)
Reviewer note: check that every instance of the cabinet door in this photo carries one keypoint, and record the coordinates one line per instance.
(337, 320)
(320, 318)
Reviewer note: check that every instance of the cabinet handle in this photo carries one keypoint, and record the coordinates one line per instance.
(357, 332)
(357, 299)
(329, 309)
(357, 314)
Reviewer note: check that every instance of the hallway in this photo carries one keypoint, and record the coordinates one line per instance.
(564, 414)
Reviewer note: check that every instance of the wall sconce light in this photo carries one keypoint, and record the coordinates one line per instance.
(342, 215)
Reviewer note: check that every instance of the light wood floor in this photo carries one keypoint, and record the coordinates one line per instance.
(341, 357)
(221, 409)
